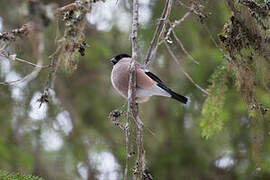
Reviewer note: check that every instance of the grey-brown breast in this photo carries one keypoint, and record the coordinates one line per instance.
(120, 77)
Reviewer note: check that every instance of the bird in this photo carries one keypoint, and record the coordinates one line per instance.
(147, 83)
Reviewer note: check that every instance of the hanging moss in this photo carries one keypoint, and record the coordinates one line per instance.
(245, 40)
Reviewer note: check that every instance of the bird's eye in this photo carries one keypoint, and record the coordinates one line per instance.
(113, 60)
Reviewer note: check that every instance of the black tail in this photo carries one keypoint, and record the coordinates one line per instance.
(174, 95)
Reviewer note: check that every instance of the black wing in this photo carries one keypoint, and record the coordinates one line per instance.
(173, 94)
(152, 76)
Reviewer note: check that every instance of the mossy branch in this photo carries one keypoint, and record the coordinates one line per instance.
(245, 40)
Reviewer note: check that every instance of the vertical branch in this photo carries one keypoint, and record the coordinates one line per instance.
(132, 93)
(132, 79)
(127, 143)
(132, 105)
(140, 162)
(160, 25)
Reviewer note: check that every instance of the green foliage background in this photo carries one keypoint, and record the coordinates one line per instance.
(210, 138)
(8, 176)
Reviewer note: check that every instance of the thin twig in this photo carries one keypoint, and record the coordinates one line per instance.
(226, 56)
(26, 79)
(14, 58)
(178, 22)
(183, 48)
(38, 44)
(212, 38)
(11, 82)
(160, 25)
(182, 69)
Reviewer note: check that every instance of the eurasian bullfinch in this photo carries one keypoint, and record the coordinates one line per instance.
(148, 84)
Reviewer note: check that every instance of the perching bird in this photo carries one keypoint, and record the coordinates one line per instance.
(148, 84)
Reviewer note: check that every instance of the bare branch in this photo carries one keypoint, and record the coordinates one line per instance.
(183, 48)
(132, 105)
(132, 79)
(178, 22)
(212, 38)
(14, 58)
(11, 82)
(127, 143)
(38, 46)
(182, 69)
(160, 25)
(139, 165)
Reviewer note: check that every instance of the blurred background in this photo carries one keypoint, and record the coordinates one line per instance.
(71, 137)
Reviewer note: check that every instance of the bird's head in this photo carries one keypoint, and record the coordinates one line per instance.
(117, 58)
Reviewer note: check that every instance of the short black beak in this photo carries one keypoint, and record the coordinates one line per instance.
(113, 60)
